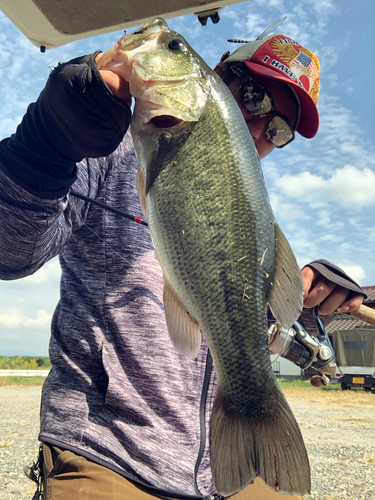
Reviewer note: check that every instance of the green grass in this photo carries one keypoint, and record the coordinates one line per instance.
(327, 396)
(305, 384)
(24, 363)
(293, 383)
(22, 381)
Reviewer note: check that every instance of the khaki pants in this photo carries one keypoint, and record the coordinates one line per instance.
(69, 476)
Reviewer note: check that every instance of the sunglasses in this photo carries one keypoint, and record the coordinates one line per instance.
(258, 102)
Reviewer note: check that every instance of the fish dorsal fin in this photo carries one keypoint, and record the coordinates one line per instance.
(141, 191)
(183, 330)
(286, 294)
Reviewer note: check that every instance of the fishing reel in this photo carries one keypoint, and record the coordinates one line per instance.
(305, 350)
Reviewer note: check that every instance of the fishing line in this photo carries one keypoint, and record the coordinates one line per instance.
(106, 243)
(48, 65)
(133, 218)
(88, 49)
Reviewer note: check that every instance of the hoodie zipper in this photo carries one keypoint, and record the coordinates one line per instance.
(202, 419)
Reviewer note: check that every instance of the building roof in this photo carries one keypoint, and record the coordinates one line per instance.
(346, 322)
(370, 291)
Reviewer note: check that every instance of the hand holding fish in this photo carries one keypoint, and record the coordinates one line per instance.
(118, 85)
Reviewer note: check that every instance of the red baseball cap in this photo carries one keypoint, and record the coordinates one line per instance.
(282, 58)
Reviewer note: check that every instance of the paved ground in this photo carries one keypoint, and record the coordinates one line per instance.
(340, 442)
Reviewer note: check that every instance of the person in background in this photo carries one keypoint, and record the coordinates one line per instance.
(123, 415)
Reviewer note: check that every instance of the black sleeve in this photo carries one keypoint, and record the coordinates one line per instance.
(336, 275)
(75, 116)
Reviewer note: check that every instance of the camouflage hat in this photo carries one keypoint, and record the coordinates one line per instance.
(282, 58)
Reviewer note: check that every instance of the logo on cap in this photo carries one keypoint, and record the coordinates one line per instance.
(299, 64)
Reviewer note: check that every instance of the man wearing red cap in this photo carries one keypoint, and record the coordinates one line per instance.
(277, 83)
(123, 415)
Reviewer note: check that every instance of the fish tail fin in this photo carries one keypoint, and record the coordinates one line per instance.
(268, 445)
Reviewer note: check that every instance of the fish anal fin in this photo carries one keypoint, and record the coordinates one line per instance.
(269, 446)
(286, 294)
(183, 330)
(141, 191)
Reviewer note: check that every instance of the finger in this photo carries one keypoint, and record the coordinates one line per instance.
(334, 300)
(309, 275)
(352, 303)
(319, 292)
(118, 86)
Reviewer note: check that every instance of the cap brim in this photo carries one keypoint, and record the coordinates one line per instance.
(309, 122)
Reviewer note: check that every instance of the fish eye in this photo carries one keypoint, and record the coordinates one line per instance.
(176, 44)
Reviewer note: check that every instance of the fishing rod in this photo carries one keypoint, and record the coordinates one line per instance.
(285, 337)
(133, 218)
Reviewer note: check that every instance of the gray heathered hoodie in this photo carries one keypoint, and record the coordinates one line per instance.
(118, 393)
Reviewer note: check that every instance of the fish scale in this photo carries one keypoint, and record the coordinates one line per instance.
(222, 253)
(222, 234)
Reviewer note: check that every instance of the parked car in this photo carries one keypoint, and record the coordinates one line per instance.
(355, 358)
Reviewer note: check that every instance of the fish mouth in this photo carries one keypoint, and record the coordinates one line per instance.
(165, 121)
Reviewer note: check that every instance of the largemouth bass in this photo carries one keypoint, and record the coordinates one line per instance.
(221, 251)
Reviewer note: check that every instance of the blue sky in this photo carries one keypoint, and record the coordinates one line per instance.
(322, 190)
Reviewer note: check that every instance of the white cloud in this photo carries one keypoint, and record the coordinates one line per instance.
(349, 186)
(324, 8)
(50, 271)
(355, 271)
(254, 25)
(287, 211)
(323, 218)
(15, 318)
(341, 135)
(330, 237)
(228, 13)
(276, 4)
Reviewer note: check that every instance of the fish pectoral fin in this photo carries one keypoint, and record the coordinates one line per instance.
(286, 294)
(268, 444)
(141, 191)
(157, 161)
(183, 330)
